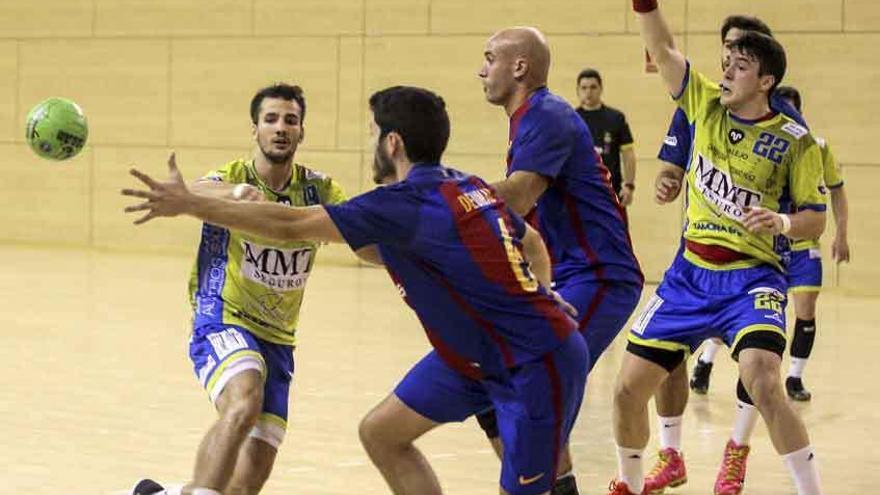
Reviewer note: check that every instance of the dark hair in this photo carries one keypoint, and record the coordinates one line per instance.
(790, 93)
(744, 23)
(418, 115)
(590, 74)
(278, 90)
(766, 50)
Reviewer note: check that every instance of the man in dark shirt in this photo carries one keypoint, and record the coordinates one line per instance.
(611, 134)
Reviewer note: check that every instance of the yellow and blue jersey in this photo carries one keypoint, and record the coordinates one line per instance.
(254, 282)
(736, 164)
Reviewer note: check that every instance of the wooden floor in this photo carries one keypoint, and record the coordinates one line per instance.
(96, 389)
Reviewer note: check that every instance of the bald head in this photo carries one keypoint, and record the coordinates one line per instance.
(528, 44)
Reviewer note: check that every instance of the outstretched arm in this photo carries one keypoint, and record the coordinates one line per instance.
(660, 44)
(273, 220)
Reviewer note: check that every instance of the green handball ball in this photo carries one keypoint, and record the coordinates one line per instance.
(57, 129)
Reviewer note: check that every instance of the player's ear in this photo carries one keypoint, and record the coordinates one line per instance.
(302, 135)
(520, 68)
(766, 82)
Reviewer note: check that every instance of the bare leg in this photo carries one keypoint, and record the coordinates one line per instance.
(672, 396)
(239, 406)
(255, 460)
(387, 433)
(759, 371)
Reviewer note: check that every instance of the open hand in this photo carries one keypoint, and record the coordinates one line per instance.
(164, 199)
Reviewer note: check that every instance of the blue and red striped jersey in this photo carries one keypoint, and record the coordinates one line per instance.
(454, 249)
(578, 215)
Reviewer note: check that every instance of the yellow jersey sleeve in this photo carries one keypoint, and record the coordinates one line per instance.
(696, 94)
(334, 194)
(233, 172)
(805, 180)
(831, 169)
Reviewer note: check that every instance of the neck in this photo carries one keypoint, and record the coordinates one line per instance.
(519, 96)
(403, 167)
(753, 109)
(588, 106)
(274, 175)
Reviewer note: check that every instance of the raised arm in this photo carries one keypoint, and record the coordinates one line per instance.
(660, 44)
(223, 190)
(273, 220)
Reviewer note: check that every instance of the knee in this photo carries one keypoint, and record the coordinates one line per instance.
(764, 387)
(371, 434)
(629, 395)
(242, 414)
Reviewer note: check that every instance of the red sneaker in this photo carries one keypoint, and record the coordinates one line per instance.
(617, 487)
(732, 474)
(668, 472)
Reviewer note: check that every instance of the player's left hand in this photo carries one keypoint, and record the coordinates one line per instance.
(626, 196)
(759, 220)
(840, 249)
(565, 305)
(164, 199)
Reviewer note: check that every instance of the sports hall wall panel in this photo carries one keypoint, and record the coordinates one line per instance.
(862, 274)
(780, 15)
(351, 121)
(552, 16)
(50, 18)
(397, 17)
(861, 15)
(448, 65)
(9, 126)
(45, 207)
(166, 74)
(307, 17)
(121, 83)
(173, 18)
(213, 81)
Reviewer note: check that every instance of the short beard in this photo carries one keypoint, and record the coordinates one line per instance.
(383, 167)
(277, 158)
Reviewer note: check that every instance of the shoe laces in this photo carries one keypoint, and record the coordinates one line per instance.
(661, 464)
(734, 463)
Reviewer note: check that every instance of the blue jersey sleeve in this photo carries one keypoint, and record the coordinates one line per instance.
(782, 106)
(541, 146)
(677, 143)
(386, 215)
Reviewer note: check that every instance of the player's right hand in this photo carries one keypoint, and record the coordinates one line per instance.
(247, 192)
(666, 189)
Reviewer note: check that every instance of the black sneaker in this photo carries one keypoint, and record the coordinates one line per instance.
(796, 391)
(700, 377)
(147, 487)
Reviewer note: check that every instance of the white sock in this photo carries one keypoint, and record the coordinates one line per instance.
(204, 491)
(710, 348)
(744, 423)
(670, 432)
(802, 466)
(629, 465)
(797, 367)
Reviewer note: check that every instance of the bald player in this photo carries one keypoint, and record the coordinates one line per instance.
(558, 182)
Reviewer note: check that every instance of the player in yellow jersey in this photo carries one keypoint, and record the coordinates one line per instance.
(727, 280)
(805, 267)
(246, 293)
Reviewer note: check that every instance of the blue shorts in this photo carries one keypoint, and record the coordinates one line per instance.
(603, 308)
(693, 304)
(536, 408)
(805, 270)
(219, 352)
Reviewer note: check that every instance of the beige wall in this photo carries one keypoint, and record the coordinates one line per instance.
(156, 75)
